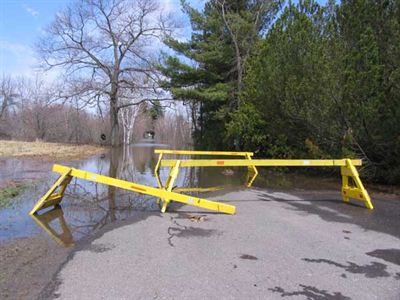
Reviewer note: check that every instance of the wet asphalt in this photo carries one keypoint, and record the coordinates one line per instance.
(297, 245)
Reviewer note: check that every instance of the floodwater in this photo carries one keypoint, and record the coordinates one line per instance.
(87, 206)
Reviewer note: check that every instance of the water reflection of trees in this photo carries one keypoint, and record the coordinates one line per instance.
(89, 206)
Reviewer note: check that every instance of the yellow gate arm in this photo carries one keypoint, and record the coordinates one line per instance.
(194, 152)
(260, 162)
(350, 189)
(54, 198)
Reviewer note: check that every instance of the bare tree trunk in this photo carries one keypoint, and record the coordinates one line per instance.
(114, 162)
(115, 136)
(4, 107)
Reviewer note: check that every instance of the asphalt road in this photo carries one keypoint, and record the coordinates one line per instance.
(302, 245)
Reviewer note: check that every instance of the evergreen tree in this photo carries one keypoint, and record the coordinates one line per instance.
(322, 81)
(370, 38)
(288, 83)
(210, 76)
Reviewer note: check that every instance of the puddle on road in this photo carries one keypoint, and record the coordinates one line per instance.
(88, 206)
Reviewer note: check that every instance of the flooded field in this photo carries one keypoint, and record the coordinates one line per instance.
(88, 206)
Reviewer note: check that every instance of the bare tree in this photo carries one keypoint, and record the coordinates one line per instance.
(7, 95)
(104, 47)
(127, 117)
(30, 110)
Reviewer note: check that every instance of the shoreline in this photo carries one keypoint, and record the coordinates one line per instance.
(47, 150)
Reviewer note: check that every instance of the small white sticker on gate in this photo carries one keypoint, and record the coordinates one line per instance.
(306, 162)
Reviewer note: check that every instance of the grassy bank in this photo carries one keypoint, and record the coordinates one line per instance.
(45, 150)
(8, 193)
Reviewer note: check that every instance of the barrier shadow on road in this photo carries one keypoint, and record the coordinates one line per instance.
(383, 219)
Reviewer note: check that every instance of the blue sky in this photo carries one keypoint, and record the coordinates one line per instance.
(22, 23)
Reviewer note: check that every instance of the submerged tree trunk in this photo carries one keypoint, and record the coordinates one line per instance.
(115, 135)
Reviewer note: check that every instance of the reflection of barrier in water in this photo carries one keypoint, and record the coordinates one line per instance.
(54, 195)
(352, 186)
(46, 221)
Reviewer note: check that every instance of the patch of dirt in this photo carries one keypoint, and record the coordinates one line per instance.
(27, 265)
(198, 218)
(248, 256)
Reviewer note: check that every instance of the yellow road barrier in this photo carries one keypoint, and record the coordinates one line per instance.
(260, 162)
(352, 188)
(193, 152)
(169, 185)
(162, 152)
(54, 195)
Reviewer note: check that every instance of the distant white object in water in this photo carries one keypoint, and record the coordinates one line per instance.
(149, 134)
(228, 172)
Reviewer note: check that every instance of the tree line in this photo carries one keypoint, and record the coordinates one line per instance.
(31, 109)
(282, 79)
(291, 80)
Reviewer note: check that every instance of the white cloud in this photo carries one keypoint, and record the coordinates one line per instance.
(167, 6)
(31, 11)
(15, 48)
(16, 59)
(41, 30)
(20, 60)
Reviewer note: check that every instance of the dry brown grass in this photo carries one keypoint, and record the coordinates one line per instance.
(44, 150)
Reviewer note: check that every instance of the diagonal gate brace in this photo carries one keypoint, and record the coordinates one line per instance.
(52, 196)
(356, 190)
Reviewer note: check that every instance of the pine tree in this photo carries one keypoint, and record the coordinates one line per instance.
(210, 77)
(370, 37)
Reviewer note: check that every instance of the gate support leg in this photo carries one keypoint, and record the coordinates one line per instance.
(252, 172)
(358, 191)
(173, 174)
(157, 171)
(52, 197)
(157, 175)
